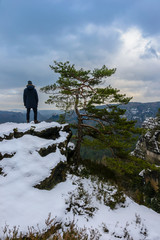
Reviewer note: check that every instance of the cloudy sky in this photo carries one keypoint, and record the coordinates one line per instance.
(89, 33)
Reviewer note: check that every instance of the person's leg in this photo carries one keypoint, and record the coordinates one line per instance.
(28, 114)
(35, 115)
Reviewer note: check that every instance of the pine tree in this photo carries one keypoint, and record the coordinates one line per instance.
(97, 107)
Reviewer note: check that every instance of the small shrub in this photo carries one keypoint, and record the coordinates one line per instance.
(53, 231)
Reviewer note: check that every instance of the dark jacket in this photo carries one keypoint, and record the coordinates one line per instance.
(30, 97)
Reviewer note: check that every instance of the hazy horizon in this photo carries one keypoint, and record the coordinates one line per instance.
(58, 110)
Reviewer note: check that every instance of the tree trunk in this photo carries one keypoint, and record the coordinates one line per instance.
(77, 156)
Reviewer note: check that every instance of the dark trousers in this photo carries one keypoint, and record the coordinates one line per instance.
(35, 114)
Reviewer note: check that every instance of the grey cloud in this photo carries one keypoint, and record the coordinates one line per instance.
(150, 52)
(145, 14)
(152, 92)
(35, 26)
(32, 31)
(20, 18)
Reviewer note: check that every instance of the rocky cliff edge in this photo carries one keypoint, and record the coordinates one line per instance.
(40, 148)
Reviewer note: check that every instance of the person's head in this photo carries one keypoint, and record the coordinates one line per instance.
(29, 82)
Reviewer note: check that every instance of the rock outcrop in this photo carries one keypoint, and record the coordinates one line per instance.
(148, 148)
(49, 147)
(148, 145)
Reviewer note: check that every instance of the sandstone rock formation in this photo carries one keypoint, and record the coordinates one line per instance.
(148, 146)
(50, 142)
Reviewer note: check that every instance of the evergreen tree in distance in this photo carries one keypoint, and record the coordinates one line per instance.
(84, 92)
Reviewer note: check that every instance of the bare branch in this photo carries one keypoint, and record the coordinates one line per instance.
(88, 126)
(95, 120)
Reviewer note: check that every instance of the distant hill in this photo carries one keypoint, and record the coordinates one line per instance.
(134, 111)
(8, 116)
(140, 111)
(20, 117)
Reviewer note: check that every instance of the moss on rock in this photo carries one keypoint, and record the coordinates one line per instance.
(6, 155)
(45, 151)
(58, 174)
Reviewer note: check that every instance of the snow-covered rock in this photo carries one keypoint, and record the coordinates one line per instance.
(148, 148)
(43, 147)
(148, 145)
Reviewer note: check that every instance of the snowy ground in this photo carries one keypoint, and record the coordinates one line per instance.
(23, 205)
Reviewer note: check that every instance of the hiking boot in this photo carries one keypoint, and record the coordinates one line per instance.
(35, 121)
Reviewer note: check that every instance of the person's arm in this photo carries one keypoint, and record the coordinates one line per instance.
(24, 97)
(36, 96)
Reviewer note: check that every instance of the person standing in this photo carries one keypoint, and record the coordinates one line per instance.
(30, 99)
